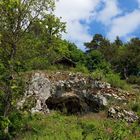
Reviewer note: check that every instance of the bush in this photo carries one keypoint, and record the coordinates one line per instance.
(98, 74)
(134, 79)
(4, 124)
(81, 68)
(37, 64)
(88, 128)
(57, 67)
(115, 80)
(136, 107)
(110, 77)
(120, 131)
(13, 125)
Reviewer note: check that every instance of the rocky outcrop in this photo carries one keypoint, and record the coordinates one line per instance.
(39, 89)
(119, 113)
(69, 93)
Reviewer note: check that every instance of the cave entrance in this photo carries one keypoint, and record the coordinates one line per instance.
(66, 104)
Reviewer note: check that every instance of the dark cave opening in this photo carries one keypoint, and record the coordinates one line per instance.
(66, 104)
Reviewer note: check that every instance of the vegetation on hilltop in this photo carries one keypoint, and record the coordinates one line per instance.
(31, 39)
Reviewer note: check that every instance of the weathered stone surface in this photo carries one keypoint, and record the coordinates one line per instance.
(100, 84)
(119, 113)
(38, 88)
(95, 102)
(102, 100)
(72, 91)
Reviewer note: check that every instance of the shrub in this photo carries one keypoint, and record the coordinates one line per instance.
(81, 68)
(52, 68)
(136, 107)
(110, 77)
(134, 79)
(88, 128)
(77, 128)
(37, 63)
(98, 74)
(115, 80)
(4, 124)
(120, 131)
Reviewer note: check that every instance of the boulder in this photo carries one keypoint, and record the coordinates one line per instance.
(119, 113)
(100, 84)
(39, 90)
(95, 102)
(39, 86)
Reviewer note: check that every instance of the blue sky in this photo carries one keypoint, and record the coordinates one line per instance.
(110, 18)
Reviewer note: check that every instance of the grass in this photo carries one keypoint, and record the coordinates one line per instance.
(60, 127)
(57, 126)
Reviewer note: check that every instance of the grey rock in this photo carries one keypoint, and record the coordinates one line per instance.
(112, 110)
(119, 113)
(102, 100)
(100, 84)
(94, 93)
(39, 88)
(95, 102)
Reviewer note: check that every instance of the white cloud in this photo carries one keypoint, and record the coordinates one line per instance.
(72, 12)
(125, 25)
(117, 24)
(109, 11)
(139, 3)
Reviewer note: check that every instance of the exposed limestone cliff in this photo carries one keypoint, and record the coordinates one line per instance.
(70, 93)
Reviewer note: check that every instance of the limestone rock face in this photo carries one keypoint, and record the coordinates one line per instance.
(68, 92)
(119, 113)
(95, 102)
(38, 88)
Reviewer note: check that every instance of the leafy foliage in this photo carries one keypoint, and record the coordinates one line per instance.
(123, 57)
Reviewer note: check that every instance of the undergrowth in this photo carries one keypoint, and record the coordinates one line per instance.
(60, 127)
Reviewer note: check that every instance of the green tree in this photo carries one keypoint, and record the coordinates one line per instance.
(103, 45)
(97, 42)
(40, 45)
(133, 53)
(95, 60)
(118, 42)
(74, 53)
(16, 18)
(126, 60)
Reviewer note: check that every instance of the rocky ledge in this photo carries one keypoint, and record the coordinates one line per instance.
(72, 94)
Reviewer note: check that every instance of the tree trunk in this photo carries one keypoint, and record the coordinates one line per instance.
(125, 73)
